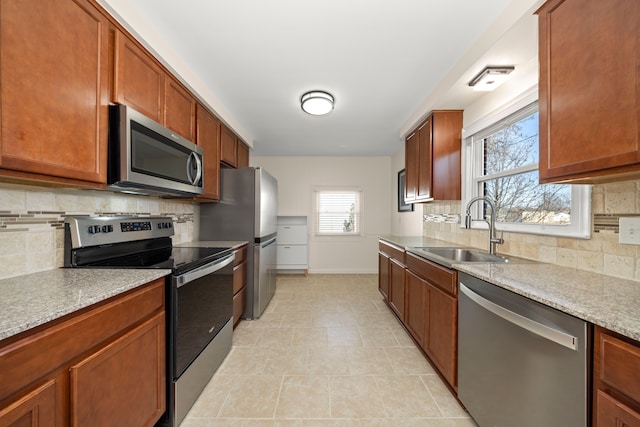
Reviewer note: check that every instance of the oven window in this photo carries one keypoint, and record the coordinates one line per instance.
(200, 309)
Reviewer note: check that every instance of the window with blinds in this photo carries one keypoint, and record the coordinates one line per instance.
(338, 212)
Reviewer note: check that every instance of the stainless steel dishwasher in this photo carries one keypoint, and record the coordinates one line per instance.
(520, 363)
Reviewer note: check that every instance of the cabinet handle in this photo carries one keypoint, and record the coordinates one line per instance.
(286, 226)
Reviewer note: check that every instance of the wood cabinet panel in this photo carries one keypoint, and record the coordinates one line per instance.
(228, 147)
(36, 409)
(123, 383)
(447, 149)
(179, 109)
(589, 121)
(439, 276)
(239, 305)
(441, 341)
(393, 251)
(208, 137)
(425, 160)
(239, 276)
(616, 381)
(243, 155)
(411, 165)
(433, 158)
(54, 89)
(417, 303)
(612, 413)
(397, 288)
(139, 80)
(383, 275)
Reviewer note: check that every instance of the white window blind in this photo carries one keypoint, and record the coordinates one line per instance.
(338, 212)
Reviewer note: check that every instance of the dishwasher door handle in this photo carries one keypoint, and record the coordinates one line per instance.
(532, 326)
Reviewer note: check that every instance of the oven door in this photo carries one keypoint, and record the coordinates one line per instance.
(201, 304)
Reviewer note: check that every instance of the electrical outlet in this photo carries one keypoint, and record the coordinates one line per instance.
(629, 230)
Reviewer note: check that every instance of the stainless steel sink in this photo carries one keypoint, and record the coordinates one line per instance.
(449, 256)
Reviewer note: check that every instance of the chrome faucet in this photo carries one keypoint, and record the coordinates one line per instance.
(493, 240)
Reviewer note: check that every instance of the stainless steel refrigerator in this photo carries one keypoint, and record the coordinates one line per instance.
(247, 211)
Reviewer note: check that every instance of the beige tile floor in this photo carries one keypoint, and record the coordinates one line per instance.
(327, 352)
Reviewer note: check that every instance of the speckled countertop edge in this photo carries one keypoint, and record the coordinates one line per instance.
(35, 299)
(607, 301)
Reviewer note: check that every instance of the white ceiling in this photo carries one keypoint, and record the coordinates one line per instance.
(386, 62)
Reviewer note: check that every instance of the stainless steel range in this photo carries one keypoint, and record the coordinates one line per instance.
(199, 293)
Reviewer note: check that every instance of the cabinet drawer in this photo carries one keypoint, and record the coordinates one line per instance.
(614, 413)
(239, 305)
(292, 254)
(619, 365)
(440, 276)
(292, 234)
(241, 255)
(393, 251)
(239, 276)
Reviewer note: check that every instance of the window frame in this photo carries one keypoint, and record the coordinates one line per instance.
(316, 211)
(580, 226)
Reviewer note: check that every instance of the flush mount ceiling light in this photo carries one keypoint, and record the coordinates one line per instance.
(317, 103)
(490, 78)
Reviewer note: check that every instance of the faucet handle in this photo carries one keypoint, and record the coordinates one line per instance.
(498, 240)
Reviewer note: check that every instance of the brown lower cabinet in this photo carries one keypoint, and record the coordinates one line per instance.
(239, 284)
(424, 296)
(616, 380)
(102, 367)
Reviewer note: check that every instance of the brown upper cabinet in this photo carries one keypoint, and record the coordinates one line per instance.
(179, 109)
(208, 137)
(138, 78)
(54, 90)
(243, 154)
(228, 147)
(141, 82)
(589, 90)
(432, 158)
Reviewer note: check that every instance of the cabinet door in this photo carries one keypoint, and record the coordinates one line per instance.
(37, 408)
(612, 413)
(179, 109)
(446, 149)
(411, 167)
(124, 383)
(424, 160)
(243, 155)
(397, 288)
(416, 305)
(589, 92)
(208, 137)
(228, 147)
(138, 79)
(239, 305)
(383, 275)
(239, 276)
(442, 333)
(54, 89)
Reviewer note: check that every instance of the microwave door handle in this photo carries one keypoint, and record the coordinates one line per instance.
(194, 157)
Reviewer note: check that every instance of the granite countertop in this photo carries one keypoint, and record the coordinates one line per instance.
(607, 301)
(34, 299)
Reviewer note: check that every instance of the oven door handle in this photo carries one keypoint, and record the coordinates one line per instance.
(206, 269)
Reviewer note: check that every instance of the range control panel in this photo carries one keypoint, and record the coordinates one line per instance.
(92, 231)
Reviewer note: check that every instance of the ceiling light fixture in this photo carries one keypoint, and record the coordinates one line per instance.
(317, 102)
(490, 78)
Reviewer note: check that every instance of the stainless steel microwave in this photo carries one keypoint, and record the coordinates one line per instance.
(147, 158)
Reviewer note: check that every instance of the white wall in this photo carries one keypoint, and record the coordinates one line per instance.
(299, 176)
(402, 223)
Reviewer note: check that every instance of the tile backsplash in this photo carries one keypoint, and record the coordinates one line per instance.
(601, 253)
(32, 218)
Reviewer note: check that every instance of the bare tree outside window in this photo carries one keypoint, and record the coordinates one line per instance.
(510, 177)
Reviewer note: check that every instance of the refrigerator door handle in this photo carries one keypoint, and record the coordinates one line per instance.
(268, 243)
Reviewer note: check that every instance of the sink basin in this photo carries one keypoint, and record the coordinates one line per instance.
(450, 256)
